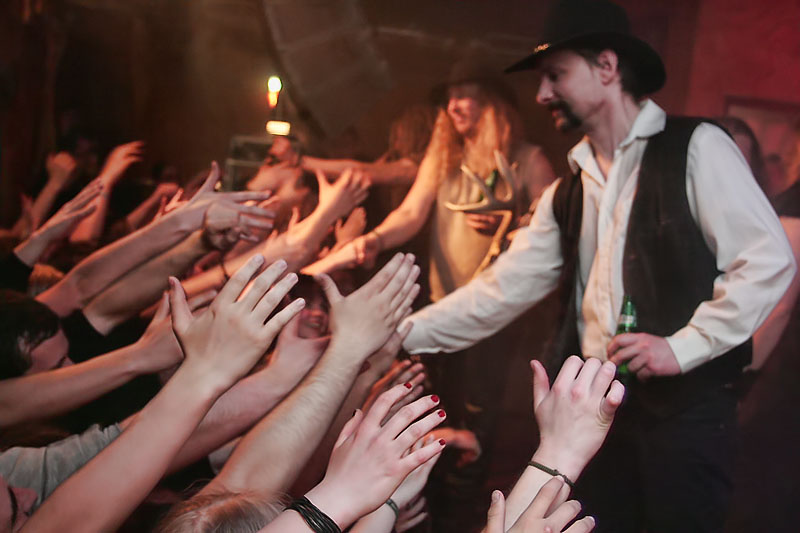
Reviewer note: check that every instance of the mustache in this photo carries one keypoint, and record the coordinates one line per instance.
(559, 106)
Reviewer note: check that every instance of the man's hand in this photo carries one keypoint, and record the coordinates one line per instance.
(647, 355)
(485, 224)
(293, 354)
(538, 517)
(118, 161)
(343, 195)
(60, 169)
(224, 224)
(575, 415)
(226, 341)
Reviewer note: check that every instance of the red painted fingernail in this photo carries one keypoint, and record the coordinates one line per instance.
(408, 385)
(442, 442)
(435, 399)
(440, 412)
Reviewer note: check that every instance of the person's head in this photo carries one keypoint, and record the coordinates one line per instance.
(747, 142)
(314, 316)
(16, 505)
(409, 134)
(31, 339)
(476, 121)
(588, 57)
(220, 512)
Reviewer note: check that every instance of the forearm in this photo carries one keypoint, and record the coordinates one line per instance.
(235, 412)
(90, 228)
(44, 202)
(399, 227)
(381, 520)
(272, 454)
(30, 250)
(59, 391)
(302, 243)
(103, 267)
(143, 286)
(103, 493)
(139, 216)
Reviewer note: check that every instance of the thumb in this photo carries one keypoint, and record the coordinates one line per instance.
(295, 217)
(497, 514)
(163, 308)
(211, 180)
(322, 181)
(349, 428)
(329, 287)
(541, 383)
(179, 307)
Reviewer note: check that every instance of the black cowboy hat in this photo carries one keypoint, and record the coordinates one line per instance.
(474, 69)
(592, 23)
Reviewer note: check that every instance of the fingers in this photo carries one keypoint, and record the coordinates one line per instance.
(406, 288)
(262, 283)
(564, 514)
(275, 296)
(626, 353)
(612, 401)
(541, 383)
(322, 181)
(584, 525)
(423, 455)
(400, 424)
(349, 428)
(385, 402)
(233, 288)
(329, 288)
(276, 323)
(586, 375)
(496, 518)
(253, 210)
(385, 275)
(399, 278)
(620, 341)
(603, 378)
(80, 215)
(211, 181)
(637, 364)
(245, 196)
(202, 299)
(569, 371)
(543, 500)
(181, 315)
(163, 308)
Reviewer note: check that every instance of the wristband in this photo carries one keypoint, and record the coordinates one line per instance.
(318, 521)
(393, 506)
(553, 472)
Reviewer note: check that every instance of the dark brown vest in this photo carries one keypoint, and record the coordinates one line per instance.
(667, 269)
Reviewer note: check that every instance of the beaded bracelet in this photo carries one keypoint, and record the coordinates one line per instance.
(553, 472)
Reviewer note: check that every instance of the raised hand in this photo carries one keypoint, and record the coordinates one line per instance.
(343, 195)
(370, 460)
(60, 169)
(118, 161)
(224, 224)
(294, 354)
(226, 341)
(575, 415)
(71, 213)
(547, 513)
(352, 227)
(363, 321)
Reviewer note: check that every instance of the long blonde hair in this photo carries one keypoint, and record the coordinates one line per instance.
(499, 128)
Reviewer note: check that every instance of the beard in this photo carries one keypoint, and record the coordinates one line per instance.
(570, 121)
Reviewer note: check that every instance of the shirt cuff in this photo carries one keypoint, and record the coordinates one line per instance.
(417, 340)
(690, 347)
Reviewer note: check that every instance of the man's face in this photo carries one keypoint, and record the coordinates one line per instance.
(313, 318)
(464, 108)
(569, 88)
(15, 506)
(50, 353)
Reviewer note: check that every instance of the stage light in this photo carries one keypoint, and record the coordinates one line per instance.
(278, 127)
(274, 84)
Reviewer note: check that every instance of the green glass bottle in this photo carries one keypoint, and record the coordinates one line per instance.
(490, 182)
(626, 324)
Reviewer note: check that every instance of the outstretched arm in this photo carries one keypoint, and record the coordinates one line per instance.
(400, 172)
(270, 456)
(220, 346)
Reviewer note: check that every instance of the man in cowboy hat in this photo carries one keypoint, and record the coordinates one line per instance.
(663, 210)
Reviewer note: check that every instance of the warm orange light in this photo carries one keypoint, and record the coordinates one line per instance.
(272, 99)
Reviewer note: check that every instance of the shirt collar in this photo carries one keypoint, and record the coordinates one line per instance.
(650, 121)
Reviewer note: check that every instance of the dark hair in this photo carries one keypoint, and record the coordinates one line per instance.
(24, 323)
(631, 82)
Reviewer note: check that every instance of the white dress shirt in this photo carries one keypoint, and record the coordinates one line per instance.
(737, 222)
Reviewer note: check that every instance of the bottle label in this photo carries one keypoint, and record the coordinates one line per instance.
(627, 320)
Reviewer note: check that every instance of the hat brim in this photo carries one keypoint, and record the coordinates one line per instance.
(645, 61)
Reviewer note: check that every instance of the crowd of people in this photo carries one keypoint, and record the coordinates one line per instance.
(246, 360)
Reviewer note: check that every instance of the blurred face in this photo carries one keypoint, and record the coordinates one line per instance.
(50, 353)
(313, 318)
(569, 88)
(15, 506)
(464, 108)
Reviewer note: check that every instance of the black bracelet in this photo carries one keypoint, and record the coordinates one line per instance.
(553, 472)
(393, 506)
(318, 521)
